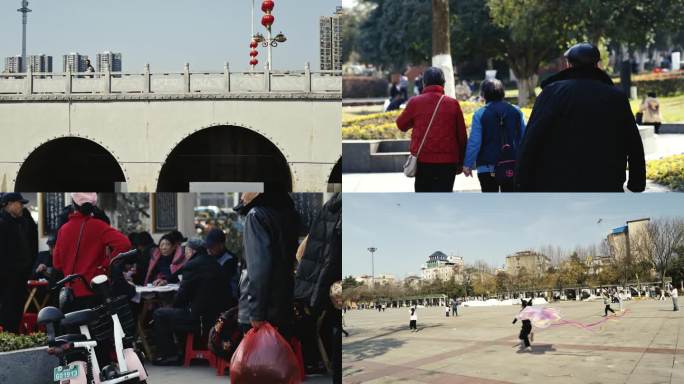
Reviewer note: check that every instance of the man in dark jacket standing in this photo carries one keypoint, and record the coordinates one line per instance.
(581, 134)
(320, 267)
(216, 247)
(201, 298)
(270, 238)
(18, 250)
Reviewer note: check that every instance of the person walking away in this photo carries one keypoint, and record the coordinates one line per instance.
(439, 136)
(674, 294)
(526, 329)
(582, 134)
(650, 109)
(18, 250)
(606, 302)
(495, 135)
(413, 320)
(84, 246)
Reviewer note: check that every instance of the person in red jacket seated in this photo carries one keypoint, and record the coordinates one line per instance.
(85, 245)
(441, 157)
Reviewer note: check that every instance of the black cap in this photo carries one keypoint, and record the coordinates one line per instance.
(583, 55)
(215, 236)
(433, 76)
(12, 196)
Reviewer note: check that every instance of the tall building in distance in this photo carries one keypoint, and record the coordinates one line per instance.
(13, 64)
(74, 62)
(331, 42)
(40, 63)
(108, 60)
(534, 263)
(442, 267)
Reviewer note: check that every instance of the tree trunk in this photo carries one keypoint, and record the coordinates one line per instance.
(625, 71)
(441, 47)
(526, 87)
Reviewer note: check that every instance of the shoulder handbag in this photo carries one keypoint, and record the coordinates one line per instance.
(411, 164)
(504, 170)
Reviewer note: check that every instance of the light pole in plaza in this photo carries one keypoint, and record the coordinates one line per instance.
(24, 19)
(269, 41)
(372, 252)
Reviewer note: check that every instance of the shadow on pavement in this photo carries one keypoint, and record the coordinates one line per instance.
(368, 349)
(539, 349)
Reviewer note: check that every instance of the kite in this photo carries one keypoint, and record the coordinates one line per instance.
(545, 317)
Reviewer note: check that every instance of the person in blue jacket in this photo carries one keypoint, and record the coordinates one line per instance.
(496, 124)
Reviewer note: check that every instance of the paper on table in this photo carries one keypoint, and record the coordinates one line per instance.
(162, 288)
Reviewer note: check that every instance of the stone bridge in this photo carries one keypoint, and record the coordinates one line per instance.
(185, 131)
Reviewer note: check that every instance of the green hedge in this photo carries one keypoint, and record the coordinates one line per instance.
(12, 342)
(668, 171)
(672, 85)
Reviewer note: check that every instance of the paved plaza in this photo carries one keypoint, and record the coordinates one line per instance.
(480, 346)
(198, 374)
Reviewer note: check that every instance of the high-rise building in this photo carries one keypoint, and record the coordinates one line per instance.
(109, 60)
(625, 241)
(40, 63)
(443, 267)
(74, 62)
(13, 64)
(331, 41)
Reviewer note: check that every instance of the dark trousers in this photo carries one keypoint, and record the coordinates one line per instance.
(525, 337)
(412, 324)
(336, 346)
(454, 311)
(166, 322)
(488, 183)
(13, 294)
(435, 177)
(608, 308)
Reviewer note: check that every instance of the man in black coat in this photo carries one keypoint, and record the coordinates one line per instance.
(18, 250)
(270, 238)
(202, 296)
(581, 134)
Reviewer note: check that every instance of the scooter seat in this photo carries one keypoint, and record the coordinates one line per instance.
(78, 318)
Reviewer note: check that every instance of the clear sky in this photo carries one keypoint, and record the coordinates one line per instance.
(164, 33)
(407, 228)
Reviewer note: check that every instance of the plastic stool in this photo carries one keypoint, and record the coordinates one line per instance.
(221, 365)
(197, 354)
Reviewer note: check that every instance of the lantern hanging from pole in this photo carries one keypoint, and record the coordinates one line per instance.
(267, 7)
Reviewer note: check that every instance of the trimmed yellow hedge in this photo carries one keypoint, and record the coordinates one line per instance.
(668, 171)
(381, 126)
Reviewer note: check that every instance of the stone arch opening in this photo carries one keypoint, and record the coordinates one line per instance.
(224, 157)
(70, 164)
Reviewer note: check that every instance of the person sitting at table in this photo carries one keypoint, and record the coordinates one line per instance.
(200, 300)
(166, 260)
(216, 247)
(145, 245)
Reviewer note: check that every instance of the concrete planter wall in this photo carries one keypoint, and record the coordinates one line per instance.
(27, 366)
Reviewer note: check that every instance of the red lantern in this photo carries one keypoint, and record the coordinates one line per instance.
(267, 21)
(267, 6)
(254, 53)
(253, 44)
(254, 62)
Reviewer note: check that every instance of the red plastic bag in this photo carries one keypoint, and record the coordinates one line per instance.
(264, 357)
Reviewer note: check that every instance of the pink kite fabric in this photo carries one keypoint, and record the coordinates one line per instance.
(593, 326)
(541, 317)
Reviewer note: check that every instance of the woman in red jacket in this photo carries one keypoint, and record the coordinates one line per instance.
(84, 246)
(441, 157)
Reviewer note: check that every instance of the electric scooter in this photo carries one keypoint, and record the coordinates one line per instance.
(99, 326)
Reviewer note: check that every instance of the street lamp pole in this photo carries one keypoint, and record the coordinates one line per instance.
(24, 19)
(372, 252)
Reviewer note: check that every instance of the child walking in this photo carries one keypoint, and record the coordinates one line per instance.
(413, 320)
(526, 329)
